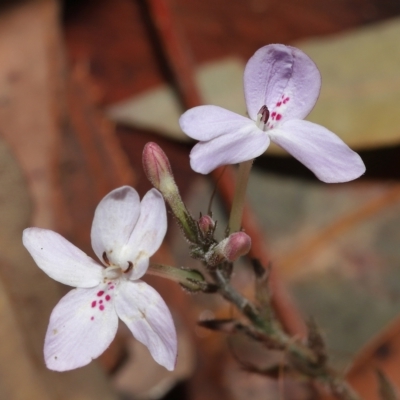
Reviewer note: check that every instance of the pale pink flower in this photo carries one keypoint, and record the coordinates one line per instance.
(281, 86)
(125, 233)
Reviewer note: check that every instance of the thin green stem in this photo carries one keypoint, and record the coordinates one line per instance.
(241, 303)
(191, 279)
(183, 217)
(235, 219)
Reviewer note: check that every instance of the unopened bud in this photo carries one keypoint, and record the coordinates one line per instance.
(230, 249)
(206, 224)
(158, 169)
(238, 244)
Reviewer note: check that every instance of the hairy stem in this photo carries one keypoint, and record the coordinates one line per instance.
(340, 388)
(302, 357)
(191, 279)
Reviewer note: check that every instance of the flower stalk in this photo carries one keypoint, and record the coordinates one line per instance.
(190, 279)
(235, 219)
(159, 172)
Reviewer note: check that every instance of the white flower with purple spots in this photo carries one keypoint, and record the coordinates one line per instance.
(281, 86)
(125, 233)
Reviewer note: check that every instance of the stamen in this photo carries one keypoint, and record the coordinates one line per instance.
(262, 118)
(105, 258)
(264, 114)
(130, 266)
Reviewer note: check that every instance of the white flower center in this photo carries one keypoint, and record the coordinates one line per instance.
(112, 274)
(113, 271)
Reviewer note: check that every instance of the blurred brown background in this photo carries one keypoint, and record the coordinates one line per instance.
(336, 248)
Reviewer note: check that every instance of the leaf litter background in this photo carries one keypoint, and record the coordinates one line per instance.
(336, 247)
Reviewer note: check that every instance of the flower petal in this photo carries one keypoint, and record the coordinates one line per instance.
(284, 79)
(80, 329)
(147, 235)
(114, 220)
(320, 150)
(148, 317)
(60, 259)
(237, 146)
(208, 122)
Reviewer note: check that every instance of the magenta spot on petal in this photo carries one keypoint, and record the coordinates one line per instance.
(93, 303)
(91, 318)
(273, 115)
(101, 308)
(100, 293)
(108, 298)
(286, 100)
(109, 283)
(278, 117)
(278, 104)
(101, 301)
(111, 287)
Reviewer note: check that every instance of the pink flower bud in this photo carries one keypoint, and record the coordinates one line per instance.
(156, 166)
(206, 224)
(230, 249)
(238, 244)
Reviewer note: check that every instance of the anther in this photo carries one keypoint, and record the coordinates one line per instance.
(264, 114)
(130, 266)
(105, 258)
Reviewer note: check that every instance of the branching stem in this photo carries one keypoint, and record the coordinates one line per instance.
(301, 356)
